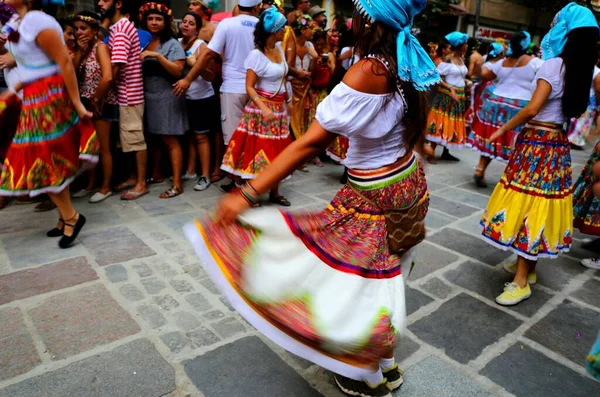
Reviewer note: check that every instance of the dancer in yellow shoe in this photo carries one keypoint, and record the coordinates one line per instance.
(531, 209)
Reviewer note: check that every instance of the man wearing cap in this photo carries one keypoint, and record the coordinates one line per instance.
(318, 16)
(233, 40)
(203, 8)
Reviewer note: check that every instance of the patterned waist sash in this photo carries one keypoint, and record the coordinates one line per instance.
(268, 96)
(540, 125)
(385, 176)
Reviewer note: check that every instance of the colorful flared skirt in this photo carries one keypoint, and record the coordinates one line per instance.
(579, 129)
(586, 205)
(479, 91)
(495, 111)
(256, 142)
(338, 149)
(530, 211)
(51, 143)
(446, 121)
(321, 285)
(593, 359)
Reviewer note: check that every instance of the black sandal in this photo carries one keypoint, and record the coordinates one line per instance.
(56, 232)
(66, 241)
(280, 200)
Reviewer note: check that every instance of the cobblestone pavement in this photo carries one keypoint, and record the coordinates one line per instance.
(129, 311)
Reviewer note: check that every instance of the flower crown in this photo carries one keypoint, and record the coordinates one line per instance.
(155, 7)
(87, 19)
(303, 21)
(433, 46)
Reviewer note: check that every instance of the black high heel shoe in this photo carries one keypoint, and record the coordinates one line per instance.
(56, 232)
(66, 241)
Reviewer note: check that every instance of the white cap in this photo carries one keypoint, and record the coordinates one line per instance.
(249, 3)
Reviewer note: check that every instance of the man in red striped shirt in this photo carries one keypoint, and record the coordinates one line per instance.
(125, 49)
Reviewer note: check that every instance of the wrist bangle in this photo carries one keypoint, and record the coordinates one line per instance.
(253, 189)
(256, 98)
(248, 196)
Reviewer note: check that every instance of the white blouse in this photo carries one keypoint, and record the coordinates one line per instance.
(32, 61)
(553, 72)
(304, 63)
(453, 74)
(372, 123)
(270, 74)
(515, 83)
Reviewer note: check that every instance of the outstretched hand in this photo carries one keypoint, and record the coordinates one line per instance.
(229, 208)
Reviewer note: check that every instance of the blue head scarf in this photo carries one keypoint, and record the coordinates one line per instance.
(572, 16)
(273, 20)
(457, 38)
(496, 50)
(525, 43)
(53, 2)
(414, 64)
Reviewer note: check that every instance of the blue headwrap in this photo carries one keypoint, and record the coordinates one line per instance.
(457, 38)
(414, 64)
(496, 50)
(273, 20)
(53, 2)
(525, 43)
(572, 16)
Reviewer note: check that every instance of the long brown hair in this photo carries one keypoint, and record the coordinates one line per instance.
(378, 39)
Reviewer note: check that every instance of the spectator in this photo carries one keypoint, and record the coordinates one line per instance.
(233, 41)
(95, 87)
(301, 8)
(203, 8)
(163, 62)
(127, 69)
(318, 16)
(202, 105)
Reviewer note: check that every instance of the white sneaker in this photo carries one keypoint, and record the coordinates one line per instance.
(99, 197)
(202, 184)
(187, 177)
(81, 193)
(591, 263)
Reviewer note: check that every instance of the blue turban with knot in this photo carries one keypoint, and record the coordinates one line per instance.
(572, 16)
(273, 20)
(525, 43)
(496, 49)
(414, 64)
(457, 39)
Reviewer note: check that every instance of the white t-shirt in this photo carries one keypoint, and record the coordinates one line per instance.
(372, 123)
(347, 63)
(553, 72)
(453, 74)
(234, 39)
(270, 74)
(200, 88)
(33, 63)
(515, 83)
(12, 77)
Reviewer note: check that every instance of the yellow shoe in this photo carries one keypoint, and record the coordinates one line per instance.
(512, 269)
(513, 294)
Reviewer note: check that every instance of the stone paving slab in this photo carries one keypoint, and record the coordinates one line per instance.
(36, 249)
(524, 371)
(132, 370)
(115, 245)
(433, 377)
(429, 259)
(570, 330)
(469, 246)
(73, 322)
(462, 327)
(17, 351)
(55, 276)
(227, 370)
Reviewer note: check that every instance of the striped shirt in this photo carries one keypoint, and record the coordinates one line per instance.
(125, 50)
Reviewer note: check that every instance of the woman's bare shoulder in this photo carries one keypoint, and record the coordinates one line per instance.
(369, 76)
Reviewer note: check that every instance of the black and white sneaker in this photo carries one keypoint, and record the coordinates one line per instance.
(227, 188)
(394, 376)
(353, 387)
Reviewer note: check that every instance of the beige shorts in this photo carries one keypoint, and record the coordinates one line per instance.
(232, 107)
(131, 128)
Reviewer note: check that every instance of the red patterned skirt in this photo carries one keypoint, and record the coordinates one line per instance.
(9, 120)
(322, 285)
(51, 143)
(256, 142)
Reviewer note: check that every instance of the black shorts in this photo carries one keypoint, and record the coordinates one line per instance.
(109, 112)
(203, 114)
